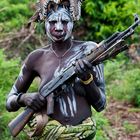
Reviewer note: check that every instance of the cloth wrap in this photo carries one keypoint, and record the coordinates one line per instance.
(53, 130)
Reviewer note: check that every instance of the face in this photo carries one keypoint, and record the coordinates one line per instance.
(59, 25)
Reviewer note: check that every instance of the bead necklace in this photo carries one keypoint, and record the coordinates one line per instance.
(60, 57)
(64, 52)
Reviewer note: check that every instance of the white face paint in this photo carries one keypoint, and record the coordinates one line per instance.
(59, 25)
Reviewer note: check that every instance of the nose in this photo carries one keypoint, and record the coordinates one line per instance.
(59, 26)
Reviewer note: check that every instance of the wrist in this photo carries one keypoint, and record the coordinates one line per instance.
(12, 104)
(88, 81)
(20, 99)
(84, 76)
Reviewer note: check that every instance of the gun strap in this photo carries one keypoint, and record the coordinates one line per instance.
(41, 120)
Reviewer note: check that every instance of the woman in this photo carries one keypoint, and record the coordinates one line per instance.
(70, 116)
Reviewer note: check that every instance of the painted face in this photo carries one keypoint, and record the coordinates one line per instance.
(59, 25)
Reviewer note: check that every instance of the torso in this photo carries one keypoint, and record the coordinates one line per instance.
(67, 107)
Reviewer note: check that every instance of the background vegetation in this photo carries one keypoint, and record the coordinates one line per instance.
(99, 20)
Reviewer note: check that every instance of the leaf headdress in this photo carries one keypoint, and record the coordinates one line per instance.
(44, 8)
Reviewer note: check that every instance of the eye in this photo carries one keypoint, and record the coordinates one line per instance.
(64, 22)
(52, 22)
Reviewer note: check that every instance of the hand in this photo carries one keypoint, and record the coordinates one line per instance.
(83, 69)
(35, 101)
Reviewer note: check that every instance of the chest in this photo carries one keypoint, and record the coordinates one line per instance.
(50, 66)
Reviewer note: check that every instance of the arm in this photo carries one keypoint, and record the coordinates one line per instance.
(21, 85)
(16, 97)
(92, 79)
(95, 90)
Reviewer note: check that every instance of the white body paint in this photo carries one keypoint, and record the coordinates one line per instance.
(58, 18)
(21, 73)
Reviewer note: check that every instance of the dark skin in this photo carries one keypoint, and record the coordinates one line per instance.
(45, 67)
(44, 63)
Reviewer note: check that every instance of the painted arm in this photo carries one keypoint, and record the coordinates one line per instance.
(92, 79)
(21, 85)
(17, 97)
(96, 89)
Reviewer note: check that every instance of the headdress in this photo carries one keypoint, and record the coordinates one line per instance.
(45, 7)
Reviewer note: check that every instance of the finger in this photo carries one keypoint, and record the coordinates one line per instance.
(31, 105)
(94, 72)
(82, 65)
(79, 68)
(34, 108)
(89, 65)
(75, 69)
(42, 99)
(40, 103)
(28, 102)
(37, 105)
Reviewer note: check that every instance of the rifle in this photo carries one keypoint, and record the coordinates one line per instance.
(106, 49)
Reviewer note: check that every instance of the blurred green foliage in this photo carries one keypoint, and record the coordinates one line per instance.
(102, 126)
(9, 70)
(123, 80)
(14, 14)
(101, 18)
(130, 128)
(8, 73)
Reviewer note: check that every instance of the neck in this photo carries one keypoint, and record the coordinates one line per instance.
(62, 46)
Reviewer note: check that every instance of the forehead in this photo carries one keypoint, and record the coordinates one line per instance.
(59, 15)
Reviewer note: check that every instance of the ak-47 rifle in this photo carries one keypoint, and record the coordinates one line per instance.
(105, 50)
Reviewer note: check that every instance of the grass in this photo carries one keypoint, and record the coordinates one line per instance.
(129, 127)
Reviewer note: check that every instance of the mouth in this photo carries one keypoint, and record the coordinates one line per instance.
(59, 35)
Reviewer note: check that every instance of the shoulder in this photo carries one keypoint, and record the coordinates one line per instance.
(85, 44)
(35, 56)
(90, 45)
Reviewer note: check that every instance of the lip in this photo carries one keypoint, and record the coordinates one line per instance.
(58, 35)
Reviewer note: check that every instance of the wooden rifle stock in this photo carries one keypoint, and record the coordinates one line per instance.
(17, 124)
(20, 121)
